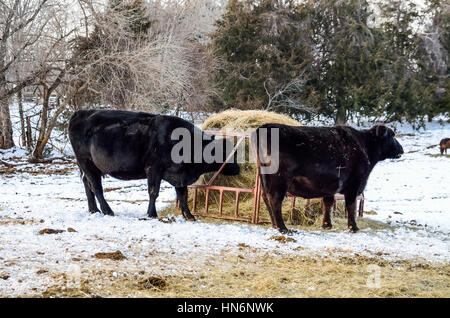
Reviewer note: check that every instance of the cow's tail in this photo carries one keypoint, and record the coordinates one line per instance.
(81, 172)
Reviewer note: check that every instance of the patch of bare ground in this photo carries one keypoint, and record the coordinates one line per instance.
(251, 273)
(116, 256)
(13, 167)
(50, 231)
(38, 170)
(18, 221)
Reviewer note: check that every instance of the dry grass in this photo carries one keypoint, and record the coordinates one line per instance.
(307, 223)
(437, 155)
(254, 274)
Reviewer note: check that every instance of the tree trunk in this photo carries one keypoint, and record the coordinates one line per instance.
(6, 131)
(29, 135)
(341, 116)
(22, 119)
(39, 150)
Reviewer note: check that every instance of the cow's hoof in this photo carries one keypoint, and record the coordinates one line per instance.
(94, 211)
(189, 217)
(287, 231)
(109, 213)
(152, 216)
(353, 228)
(327, 225)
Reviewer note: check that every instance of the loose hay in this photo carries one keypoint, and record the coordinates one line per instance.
(264, 275)
(152, 282)
(282, 239)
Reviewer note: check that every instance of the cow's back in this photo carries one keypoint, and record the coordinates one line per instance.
(84, 123)
(328, 145)
(318, 160)
(114, 141)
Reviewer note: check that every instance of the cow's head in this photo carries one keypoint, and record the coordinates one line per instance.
(385, 146)
(216, 151)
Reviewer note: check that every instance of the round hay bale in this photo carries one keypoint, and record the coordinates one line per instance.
(246, 119)
(242, 120)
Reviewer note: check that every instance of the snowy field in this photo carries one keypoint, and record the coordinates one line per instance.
(412, 194)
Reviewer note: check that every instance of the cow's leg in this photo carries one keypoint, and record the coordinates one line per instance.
(277, 202)
(92, 205)
(350, 205)
(154, 182)
(266, 201)
(275, 189)
(182, 198)
(327, 205)
(94, 179)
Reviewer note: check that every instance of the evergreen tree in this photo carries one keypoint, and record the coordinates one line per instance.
(405, 95)
(436, 46)
(261, 48)
(350, 61)
(344, 61)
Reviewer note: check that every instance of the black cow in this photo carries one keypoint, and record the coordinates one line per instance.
(135, 145)
(318, 162)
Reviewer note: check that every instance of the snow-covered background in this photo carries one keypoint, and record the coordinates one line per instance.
(412, 194)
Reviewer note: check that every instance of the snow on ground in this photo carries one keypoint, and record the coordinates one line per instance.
(414, 190)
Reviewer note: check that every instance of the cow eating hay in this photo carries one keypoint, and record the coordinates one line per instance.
(244, 121)
(131, 145)
(318, 162)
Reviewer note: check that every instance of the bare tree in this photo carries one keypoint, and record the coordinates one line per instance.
(167, 67)
(16, 16)
(95, 55)
(60, 60)
(287, 96)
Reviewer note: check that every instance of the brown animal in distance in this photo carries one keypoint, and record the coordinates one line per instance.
(444, 144)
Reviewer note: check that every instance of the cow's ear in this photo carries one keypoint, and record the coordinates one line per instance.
(380, 131)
